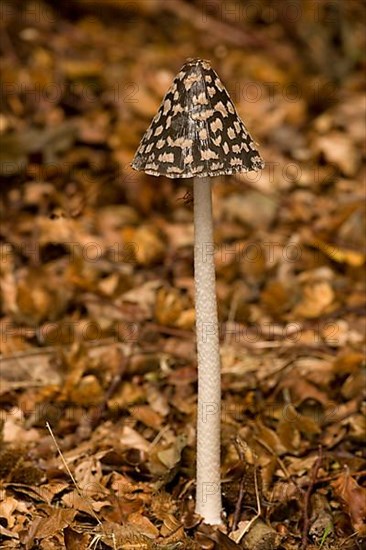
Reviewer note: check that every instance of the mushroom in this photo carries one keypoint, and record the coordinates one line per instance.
(198, 134)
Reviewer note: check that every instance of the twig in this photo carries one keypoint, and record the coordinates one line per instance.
(221, 30)
(259, 509)
(345, 541)
(49, 350)
(239, 450)
(157, 438)
(314, 475)
(273, 453)
(70, 474)
(187, 198)
(326, 479)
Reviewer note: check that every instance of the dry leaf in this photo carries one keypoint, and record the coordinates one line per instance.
(353, 497)
(57, 520)
(317, 297)
(338, 149)
(88, 392)
(75, 540)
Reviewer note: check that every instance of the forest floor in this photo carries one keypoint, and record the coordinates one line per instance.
(98, 372)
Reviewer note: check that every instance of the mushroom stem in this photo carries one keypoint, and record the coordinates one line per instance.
(208, 491)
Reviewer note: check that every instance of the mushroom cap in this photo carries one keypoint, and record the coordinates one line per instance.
(196, 131)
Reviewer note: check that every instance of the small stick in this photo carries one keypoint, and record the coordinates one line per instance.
(259, 509)
(273, 453)
(314, 475)
(70, 474)
(238, 445)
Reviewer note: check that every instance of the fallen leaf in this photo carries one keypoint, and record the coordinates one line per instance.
(252, 208)
(353, 498)
(75, 540)
(316, 299)
(338, 149)
(57, 520)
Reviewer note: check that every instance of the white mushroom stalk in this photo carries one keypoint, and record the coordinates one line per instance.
(208, 491)
(198, 134)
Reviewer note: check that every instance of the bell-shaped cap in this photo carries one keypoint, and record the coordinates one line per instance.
(196, 131)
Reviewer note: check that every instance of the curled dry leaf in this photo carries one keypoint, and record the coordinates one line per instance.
(128, 394)
(7, 508)
(146, 415)
(143, 524)
(338, 149)
(56, 520)
(253, 209)
(146, 242)
(75, 540)
(316, 299)
(168, 306)
(88, 392)
(353, 497)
